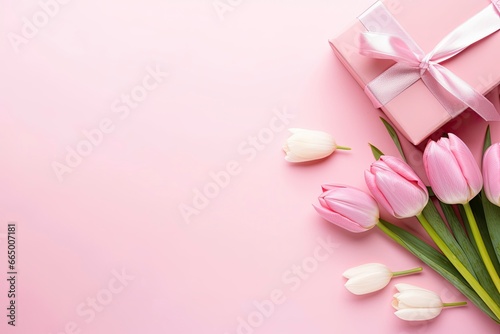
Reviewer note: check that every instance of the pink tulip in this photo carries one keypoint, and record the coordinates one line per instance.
(348, 207)
(452, 170)
(491, 173)
(396, 187)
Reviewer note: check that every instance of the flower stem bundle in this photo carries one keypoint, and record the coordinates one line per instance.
(466, 230)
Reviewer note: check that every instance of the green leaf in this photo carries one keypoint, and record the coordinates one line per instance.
(479, 214)
(475, 259)
(467, 226)
(492, 217)
(491, 213)
(432, 215)
(394, 136)
(435, 260)
(376, 152)
(458, 230)
(487, 139)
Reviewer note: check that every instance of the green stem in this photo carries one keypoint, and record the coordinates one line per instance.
(481, 247)
(407, 272)
(345, 148)
(455, 304)
(460, 267)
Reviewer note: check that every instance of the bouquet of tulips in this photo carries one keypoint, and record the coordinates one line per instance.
(459, 211)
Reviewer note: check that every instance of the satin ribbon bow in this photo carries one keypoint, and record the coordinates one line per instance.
(413, 64)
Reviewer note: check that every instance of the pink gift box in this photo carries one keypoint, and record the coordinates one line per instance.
(416, 112)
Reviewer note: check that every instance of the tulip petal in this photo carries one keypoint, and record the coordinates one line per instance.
(335, 186)
(444, 173)
(323, 203)
(419, 298)
(414, 304)
(290, 157)
(306, 151)
(367, 219)
(395, 301)
(348, 207)
(339, 220)
(401, 287)
(372, 185)
(326, 187)
(418, 314)
(396, 187)
(307, 145)
(368, 282)
(353, 204)
(406, 198)
(367, 267)
(360, 199)
(399, 166)
(468, 165)
(491, 173)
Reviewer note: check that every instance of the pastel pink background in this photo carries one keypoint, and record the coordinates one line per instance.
(119, 208)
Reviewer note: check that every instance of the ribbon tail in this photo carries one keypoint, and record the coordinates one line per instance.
(478, 27)
(462, 92)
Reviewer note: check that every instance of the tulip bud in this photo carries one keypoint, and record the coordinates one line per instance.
(371, 277)
(415, 304)
(452, 170)
(491, 173)
(348, 207)
(306, 145)
(396, 187)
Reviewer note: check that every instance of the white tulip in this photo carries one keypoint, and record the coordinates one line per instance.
(306, 145)
(371, 277)
(415, 304)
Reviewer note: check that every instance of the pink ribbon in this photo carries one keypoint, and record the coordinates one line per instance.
(413, 64)
(494, 96)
